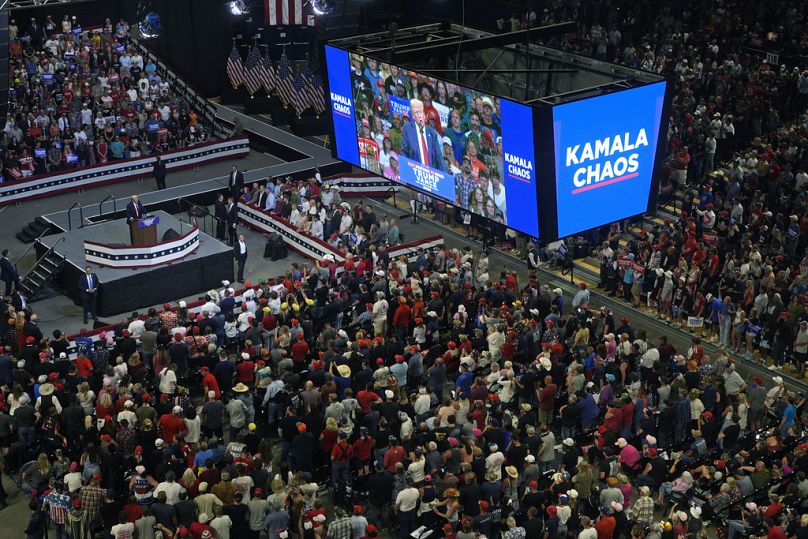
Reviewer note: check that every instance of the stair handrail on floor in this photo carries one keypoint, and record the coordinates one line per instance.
(41, 258)
(33, 244)
(114, 204)
(69, 216)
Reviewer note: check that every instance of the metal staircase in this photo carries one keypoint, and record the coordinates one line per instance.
(35, 230)
(46, 268)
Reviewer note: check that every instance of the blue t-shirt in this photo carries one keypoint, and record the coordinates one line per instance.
(789, 414)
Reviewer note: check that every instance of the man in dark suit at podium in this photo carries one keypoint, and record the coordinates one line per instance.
(236, 182)
(240, 254)
(419, 140)
(88, 285)
(134, 210)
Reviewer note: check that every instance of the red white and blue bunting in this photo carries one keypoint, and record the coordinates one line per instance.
(141, 257)
(119, 171)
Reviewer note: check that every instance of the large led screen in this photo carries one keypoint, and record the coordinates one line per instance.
(471, 149)
(604, 156)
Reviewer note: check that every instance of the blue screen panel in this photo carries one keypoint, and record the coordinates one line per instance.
(604, 156)
(470, 149)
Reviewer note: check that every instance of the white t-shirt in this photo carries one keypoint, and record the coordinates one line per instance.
(172, 491)
(123, 531)
(407, 499)
(73, 481)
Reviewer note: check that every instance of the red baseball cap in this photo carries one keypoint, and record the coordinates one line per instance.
(483, 505)
(139, 450)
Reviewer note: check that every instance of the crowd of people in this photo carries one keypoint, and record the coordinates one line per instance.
(732, 257)
(435, 392)
(81, 97)
(415, 394)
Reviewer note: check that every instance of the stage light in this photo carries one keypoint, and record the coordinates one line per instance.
(323, 7)
(239, 7)
(150, 27)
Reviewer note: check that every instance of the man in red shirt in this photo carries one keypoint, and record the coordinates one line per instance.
(547, 401)
(366, 397)
(209, 382)
(363, 450)
(300, 350)
(394, 454)
(606, 524)
(401, 318)
(774, 530)
(170, 424)
(245, 369)
(84, 367)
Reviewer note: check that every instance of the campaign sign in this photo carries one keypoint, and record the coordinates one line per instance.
(342, 110)
(519, 167)
(40, 152)
(605, 148)
(426, 178)
(399, 106)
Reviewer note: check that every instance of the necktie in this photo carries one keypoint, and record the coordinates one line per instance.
(89, 281)
(424, 151)
(137, 211)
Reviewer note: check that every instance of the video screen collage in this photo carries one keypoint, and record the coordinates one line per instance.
(444, 139)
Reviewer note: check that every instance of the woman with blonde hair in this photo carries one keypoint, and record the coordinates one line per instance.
(190, 483)
(451, 497)
(85, 398)
(104, 405)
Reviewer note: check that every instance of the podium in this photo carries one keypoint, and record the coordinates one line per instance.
(144, 231)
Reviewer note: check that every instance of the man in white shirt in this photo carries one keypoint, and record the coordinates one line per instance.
(240, 254)
(168, 381)
(405, 505)
(171, 489)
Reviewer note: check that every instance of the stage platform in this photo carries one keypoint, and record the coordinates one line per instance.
(125, 290)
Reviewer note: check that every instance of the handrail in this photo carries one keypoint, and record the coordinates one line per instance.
(49, 251)
(33, 244)
(114, 204)
(70, 212)
(192, 205)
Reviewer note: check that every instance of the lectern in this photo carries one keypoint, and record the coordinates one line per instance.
(144, 231)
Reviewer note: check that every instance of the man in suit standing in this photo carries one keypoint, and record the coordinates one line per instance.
(88, 284)
(240, 254)
(419, 141)
(8, 272)
(232, 220)
(159, 173)
(236, 182)
(134, 210)
(220, 211)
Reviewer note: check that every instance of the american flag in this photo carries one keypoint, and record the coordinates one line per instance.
(283, 12)
(285, 83)
(319, 94)
(235, 69)
(252, 78)
(266, 72)
(314, 89)
(300, 99)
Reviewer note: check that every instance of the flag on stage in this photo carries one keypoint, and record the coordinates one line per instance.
(266, 73)
(235, 69)
(287, 12)
(285, 83)
(300, 99)
(252, 78)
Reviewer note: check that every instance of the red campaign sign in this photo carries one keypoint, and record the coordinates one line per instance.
(709, 237)
(625, 262)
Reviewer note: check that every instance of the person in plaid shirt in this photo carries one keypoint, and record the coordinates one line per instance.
(92, 496)
(58, 505)
(342, 527)
(644, 508)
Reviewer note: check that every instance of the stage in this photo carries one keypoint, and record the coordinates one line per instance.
(129, 289)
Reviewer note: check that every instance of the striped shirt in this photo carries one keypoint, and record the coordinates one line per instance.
(91, 498)
(58, 507)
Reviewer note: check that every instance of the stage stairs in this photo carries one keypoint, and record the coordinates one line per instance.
(46, 268)
(34, 230)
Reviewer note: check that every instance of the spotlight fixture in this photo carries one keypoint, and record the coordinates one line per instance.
(150, 27)
(323, 7)
(239, 7)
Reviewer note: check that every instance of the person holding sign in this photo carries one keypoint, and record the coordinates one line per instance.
(419, 141)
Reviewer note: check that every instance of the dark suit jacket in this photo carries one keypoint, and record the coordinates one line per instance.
(232, 214)
(236, 179)
(82, 282)
(159, 169)
(262, 199)
(410, 147)
(237, 250)
(8, 272)
(131, 214)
